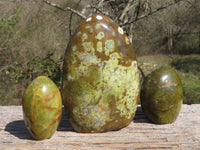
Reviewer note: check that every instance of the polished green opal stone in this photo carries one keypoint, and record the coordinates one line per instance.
(42, 108)
(100, 77)
(162, 95)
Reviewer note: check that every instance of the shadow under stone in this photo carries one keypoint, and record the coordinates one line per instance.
(18, 129)
(139, 116)
(64, 123)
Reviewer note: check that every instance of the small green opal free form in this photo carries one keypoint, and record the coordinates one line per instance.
(162, 95)
(42, 108)
(100, 77)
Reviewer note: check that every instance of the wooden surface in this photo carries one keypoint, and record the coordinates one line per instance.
(184, 133)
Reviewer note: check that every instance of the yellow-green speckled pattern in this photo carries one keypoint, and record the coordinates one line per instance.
(42, 108)
(100, 80)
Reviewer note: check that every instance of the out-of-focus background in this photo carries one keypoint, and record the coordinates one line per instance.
(34, 37)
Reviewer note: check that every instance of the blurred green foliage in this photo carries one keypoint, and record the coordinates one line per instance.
(189, 71)
(36, 67)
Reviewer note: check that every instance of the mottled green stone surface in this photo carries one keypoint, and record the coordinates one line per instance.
(162, 95)
(100, 79)
(42, 108)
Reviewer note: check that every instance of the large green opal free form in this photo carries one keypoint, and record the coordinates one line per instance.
(162, 95)
(100, 80)
(42, 108)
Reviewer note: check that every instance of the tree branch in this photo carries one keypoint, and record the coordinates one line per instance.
(98, 10)
(138, 10)
(151, 13)
(65, 9)
(126, 9)
(70, 19)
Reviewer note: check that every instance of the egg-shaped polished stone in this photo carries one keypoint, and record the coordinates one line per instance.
(42, 108)
(100, 78)
(162, 95)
